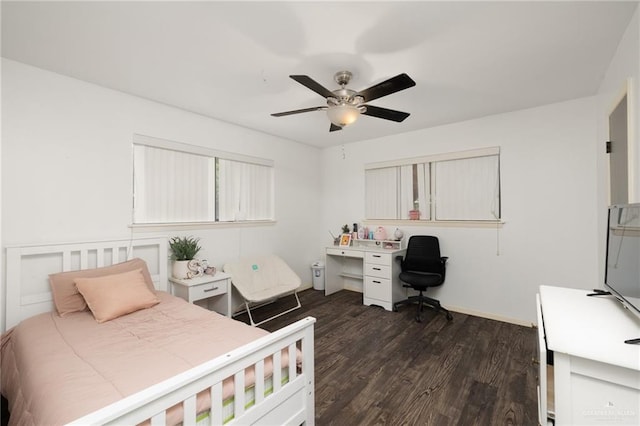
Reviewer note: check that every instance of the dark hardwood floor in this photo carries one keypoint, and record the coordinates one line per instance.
(374, 367)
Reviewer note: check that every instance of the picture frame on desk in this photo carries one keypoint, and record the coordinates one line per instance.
(345, 240)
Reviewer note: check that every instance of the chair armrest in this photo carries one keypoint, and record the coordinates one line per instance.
(444, 259)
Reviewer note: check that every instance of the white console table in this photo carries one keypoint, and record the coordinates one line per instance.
(596, 376)
(368, 268)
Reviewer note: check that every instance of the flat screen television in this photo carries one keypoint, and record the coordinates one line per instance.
(622, 272)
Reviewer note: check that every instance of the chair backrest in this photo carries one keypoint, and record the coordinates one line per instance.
(423, 255)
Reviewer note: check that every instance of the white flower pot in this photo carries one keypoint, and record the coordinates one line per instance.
(180, 269)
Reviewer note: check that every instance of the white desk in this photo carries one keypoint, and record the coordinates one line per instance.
(371, 270)
(596, 375)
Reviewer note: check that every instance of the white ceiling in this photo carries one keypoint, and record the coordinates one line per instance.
(231, 60)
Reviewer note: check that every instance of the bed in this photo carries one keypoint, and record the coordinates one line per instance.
(167, 363)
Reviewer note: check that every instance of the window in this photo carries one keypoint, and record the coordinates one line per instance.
(448, 187)
(179, 183)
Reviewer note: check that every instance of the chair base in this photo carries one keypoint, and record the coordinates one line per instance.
(255, 324)
(423, 301)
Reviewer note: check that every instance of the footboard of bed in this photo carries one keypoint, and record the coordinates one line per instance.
(289, 402)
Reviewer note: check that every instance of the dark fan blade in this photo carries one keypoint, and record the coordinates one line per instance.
(394, 84)
(313, 85)
(387, 114)
(298, 111)
(333, 128)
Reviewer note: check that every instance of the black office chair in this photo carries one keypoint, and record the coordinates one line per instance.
(422, 267)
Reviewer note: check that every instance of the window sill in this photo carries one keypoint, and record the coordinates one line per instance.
(440, 223)
(153, 227)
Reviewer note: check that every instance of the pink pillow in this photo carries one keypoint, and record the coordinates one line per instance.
(65, 294)
(112, 296)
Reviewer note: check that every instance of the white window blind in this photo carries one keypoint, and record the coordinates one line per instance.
(381, 187)
(244, 191)
(172, 186)
(467, 189)
(179, 183)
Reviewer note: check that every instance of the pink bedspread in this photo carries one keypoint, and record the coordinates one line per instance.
(55, 369)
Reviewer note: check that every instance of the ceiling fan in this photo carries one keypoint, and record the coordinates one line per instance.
(344, 106)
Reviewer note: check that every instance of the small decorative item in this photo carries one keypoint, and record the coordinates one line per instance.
(398, 234)
(380, 234)
(345, 229)
(415, 213)
(183, 250)
(345, 240)
(336, 240)
(206, 269)
(195, 269)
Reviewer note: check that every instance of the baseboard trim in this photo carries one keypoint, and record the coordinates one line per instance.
(488, 316)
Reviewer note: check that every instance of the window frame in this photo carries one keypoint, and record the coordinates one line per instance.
(214, 155)
(430, 161)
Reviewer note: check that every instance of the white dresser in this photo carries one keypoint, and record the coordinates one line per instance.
(381, 284)
(367, 268)
(595, 376)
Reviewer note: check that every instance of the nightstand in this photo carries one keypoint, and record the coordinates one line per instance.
(214, 289)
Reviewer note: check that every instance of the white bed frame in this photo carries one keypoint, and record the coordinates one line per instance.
(291, 403)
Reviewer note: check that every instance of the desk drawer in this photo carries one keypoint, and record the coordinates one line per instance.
(378, 258)
(380, 271)
(377, 288)
(345, 252)
(203, 291)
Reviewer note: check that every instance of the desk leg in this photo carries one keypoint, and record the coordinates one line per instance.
(333, 282)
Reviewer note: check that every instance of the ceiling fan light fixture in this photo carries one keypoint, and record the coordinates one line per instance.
(342, 115)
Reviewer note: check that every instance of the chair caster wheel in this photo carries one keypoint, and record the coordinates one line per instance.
(449, 317)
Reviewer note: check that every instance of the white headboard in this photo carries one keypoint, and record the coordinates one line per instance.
(28, 269)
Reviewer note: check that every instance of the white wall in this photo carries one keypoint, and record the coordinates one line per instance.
(548, 172)
(623, 74)
(67, 168)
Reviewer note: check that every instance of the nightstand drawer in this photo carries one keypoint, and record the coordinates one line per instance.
(380, 271)
(378, 258)
(377, 288)
(203, 291)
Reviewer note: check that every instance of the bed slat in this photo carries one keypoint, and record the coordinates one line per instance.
(189, 410)
(277, 371)
(259, 386)
(215, 414)
(238, 401)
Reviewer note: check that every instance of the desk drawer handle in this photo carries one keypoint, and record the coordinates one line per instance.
(377, 282)
(211, 289)
(376, 269)
(376, 255)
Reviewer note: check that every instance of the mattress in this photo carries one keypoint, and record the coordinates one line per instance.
(56, 369)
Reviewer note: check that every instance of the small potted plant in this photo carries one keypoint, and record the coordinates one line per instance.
(183, 250)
